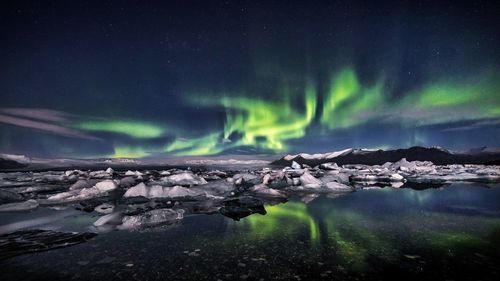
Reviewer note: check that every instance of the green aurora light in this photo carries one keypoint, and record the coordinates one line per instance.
(130, 152)
(205, 145)
(347, 100)
(270, 123)
(283, 217)
(133, 129)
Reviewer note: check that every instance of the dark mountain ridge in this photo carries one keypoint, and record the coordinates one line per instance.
(437, 156)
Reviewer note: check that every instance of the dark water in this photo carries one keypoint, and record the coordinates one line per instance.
(451, 233)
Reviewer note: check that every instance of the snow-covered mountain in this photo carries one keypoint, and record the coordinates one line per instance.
(436, 155)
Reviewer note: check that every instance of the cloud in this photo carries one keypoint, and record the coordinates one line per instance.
(37, 113)
(473, 126)
(41, 119)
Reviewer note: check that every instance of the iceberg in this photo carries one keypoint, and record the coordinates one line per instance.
(152, 218)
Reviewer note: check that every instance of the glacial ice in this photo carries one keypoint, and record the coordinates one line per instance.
(80, 184)
(338, 186)
(106, 185)
(185, 178)
(263, 190)
(152, 218)
(307, 180)
(158, 191)
(179, 191)
(133, 200)
(295, 165)
(137, 190)
(135, 174)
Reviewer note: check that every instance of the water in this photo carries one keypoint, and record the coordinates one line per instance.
(451, 233)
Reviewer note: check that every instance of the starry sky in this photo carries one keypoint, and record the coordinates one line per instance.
(89, 79)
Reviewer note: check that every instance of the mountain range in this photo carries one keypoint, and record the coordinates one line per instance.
(438, 156)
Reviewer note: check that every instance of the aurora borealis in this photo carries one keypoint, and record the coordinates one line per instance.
(132, 79)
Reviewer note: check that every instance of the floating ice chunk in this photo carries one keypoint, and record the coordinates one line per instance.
(135, 173)
(179, 191)
(18, 207)
(329, 166)
(336, 176)
(295, 165)
(338, 186)
(165, 173)
(92, 192)
(127, 182)
(403, 165)
(278, 180)
(69, 173)
(63, 195)
(137, 190)
(264, 190)
(156, 191)
(293, 172)
(266, 179)
(396, 177)
(186, 178)
(82, 184)
(365, 177)
(313, 186)
(387, 165)
(216, 188)
(485, 172)
(424, 169)
(397, 184)
(214, 175)
(152, 218)
(99, 174)
(309, 180)
(246, 179)
(106, 185)
(76, 195)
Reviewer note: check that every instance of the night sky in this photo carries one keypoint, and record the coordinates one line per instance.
(174, 78)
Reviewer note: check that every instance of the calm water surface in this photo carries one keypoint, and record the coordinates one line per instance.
(450, 233)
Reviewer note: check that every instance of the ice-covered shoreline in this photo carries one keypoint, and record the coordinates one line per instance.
(154, 199)
(151, 197)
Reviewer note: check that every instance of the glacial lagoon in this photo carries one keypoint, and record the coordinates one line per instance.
(448, 232)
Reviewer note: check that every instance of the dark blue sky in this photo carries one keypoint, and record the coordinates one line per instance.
(137, 79)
